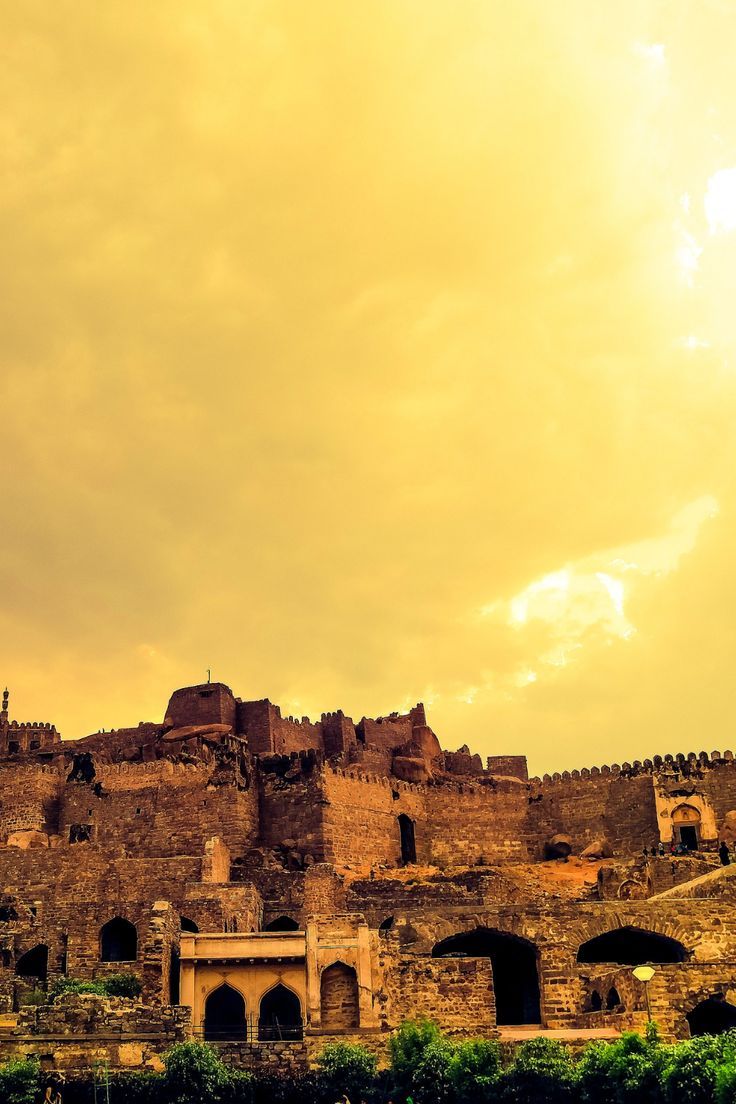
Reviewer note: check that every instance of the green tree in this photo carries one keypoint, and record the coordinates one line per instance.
(628, 1071)
(345, 1068)
(726, 1083)
(406, 1048)
(691, 1068)
(474, 1071)
(431, 1082)
(20, 1081)
(541, 1070)
(194, 1073)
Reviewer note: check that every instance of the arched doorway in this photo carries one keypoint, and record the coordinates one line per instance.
(34, 964)
(224, 1014)
(338, 990)
(280, 1015)
(712, 1016)
(514, 966)
(118, 941)
(187, 925)
(281, 924)
(631, 946)
(686, 826)
(408, 840)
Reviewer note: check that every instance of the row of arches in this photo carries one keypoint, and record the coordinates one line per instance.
(280, 1011)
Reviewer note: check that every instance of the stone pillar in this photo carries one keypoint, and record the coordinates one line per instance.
(365, 978)
(313, 1007)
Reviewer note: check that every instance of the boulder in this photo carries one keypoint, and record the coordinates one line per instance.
(597, 849)
(727, 833)
(409, 769)
(558, 846)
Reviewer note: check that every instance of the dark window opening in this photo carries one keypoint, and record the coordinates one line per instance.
(386, 924)
(613, 1000)
(631, 947)
(174, 977)
(187, 925)
(35, 745)
(689, 837)
(34, 963)
(206, 693)
(281, 924)
(118, 941)
(7, 914)
(408, 842)
(280, 1015)
(712, 1017)
(596, 1001)
(13, 747)
(514, 966)
(224, 1014)
(80, 833)
(83, 769)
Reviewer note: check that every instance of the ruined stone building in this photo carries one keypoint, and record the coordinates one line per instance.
(276, 882)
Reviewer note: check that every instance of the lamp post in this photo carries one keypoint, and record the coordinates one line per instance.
(645, 975)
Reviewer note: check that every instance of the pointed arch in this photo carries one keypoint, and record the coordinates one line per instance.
(118, 941)
(224, 1013)
(631, 946)
(514, 966)
(613, 1000)
(338, 990)
(280, 1014)
(281, 924)
(34, 963)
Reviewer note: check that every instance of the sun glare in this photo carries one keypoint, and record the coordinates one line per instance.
(720, 201)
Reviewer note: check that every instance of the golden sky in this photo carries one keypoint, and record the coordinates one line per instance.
(373, 352)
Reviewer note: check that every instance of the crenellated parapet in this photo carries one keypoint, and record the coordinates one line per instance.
(681, 763)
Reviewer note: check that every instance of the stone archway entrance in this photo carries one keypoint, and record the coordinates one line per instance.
(280, 1015)
(514, 966)
(686, 826)
(713, 1016)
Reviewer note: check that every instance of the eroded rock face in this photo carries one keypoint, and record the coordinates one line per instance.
(597, 849)
(558, 846)
(727, 833)
(410, 769)
(28, 839)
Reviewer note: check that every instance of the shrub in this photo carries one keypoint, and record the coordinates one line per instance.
(628, 1071)
(474, 1071)
(407, 1047)
(20, 1081)
(63, 985)
(541, 1069)
(345, 1068)
(726, 1083)
(431, 1081)
(689, 1076)
(194, 1072)
(122, 985)
(31, 998)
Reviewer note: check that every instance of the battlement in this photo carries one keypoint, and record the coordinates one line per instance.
(680, 763)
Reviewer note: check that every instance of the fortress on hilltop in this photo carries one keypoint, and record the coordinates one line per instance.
(275, 883)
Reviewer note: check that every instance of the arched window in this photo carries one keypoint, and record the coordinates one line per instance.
(187, 925)
(596, 1001)
(280, 1015)
(613, 1000)
(339, 998)
(712, 1017)
(34, 963)
(281, 924)
(118, 941)
(224, 1014)
(514, 966)
(408, 842)
(686, 826)
(631, 947)
(386, 924)
(174, 977)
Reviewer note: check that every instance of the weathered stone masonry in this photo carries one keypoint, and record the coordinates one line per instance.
(274, 882)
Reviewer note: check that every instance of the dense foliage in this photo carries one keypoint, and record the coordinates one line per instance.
(114, 985)
(430, 1068)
